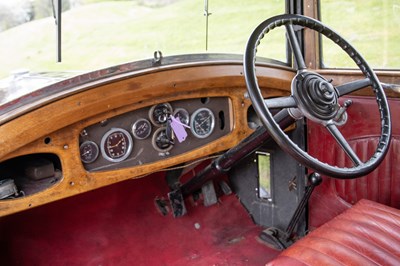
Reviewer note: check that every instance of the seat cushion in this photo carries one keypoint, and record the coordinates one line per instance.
(366, 234)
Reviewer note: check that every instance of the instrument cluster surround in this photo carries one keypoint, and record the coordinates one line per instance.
(149, 134)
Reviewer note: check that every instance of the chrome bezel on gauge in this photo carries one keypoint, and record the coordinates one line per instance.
(135, 125)
(193, 121)
(185, 113)
(153, 119)
(94, 148)
(154, 141)
(128, 148)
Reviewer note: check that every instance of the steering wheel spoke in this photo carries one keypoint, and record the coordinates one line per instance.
(344, 144)
(281, 102)
(294, 44)
(352, 86)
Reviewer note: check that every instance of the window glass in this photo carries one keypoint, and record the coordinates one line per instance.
(97, 34)
(371, 26)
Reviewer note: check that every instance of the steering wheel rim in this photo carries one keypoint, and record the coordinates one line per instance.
(319, 92)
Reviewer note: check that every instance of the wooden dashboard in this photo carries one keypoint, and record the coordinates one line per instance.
(55, 126)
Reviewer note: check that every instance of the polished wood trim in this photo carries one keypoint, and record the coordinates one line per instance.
(63, 120)
(311, 39)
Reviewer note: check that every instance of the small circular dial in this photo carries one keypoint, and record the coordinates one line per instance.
(141, 129)
(89, 151)
(160, 140)
(159, 113)
(116, 145)
(182, 115)
(202, 123)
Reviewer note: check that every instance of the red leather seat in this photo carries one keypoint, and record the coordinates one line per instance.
(366, 234)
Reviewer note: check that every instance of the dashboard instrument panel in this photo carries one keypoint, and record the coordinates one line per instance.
(76, 114)
(149, 134)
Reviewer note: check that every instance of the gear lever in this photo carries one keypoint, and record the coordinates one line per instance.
(281, 240)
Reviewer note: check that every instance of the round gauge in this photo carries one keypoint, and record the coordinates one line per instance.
(89, 151)
(202, 123)
(116, 145)
(182, 115)
(160, 140)
(159, 113)
(141, 129)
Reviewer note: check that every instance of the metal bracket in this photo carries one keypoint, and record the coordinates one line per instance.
(8, 189)
(157, 57)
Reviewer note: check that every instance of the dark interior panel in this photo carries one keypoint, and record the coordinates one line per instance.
(29, 174)
(287, 186)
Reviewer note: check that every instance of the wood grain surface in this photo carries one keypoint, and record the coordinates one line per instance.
(55, 128)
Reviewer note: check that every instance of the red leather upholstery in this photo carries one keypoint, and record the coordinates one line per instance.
(334, 196)
(366, 234)
(382, 185)
(362, 129)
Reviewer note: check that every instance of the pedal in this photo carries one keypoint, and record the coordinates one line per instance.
(226, 189)
(209, 194)
(177, 203)
(162, 206)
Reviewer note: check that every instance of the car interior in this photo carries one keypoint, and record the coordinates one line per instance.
(208, 159)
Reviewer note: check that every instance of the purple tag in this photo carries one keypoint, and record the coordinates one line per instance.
(179, 129)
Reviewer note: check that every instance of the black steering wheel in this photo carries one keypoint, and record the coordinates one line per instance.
(315, 98)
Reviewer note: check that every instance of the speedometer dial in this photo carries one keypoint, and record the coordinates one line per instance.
(202, 123)
(116, 145)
